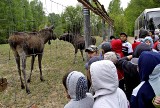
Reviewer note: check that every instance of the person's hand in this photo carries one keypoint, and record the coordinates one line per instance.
(157, 100)
(129, 57)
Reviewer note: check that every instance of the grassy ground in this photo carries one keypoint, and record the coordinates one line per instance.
(57, 60)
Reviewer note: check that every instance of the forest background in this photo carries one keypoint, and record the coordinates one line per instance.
(22, 15)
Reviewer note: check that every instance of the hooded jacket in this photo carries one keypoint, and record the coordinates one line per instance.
(104, 80)
(150, 40)
(112, 56)
(77, 89)
(131, 75)
(154, 80)
(117, 47)
(143, 94)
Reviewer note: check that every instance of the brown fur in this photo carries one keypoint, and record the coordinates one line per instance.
(29, 44)
(3, 84)
(77, 41)
(25, 41)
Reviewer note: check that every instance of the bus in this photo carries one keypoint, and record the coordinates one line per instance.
(149, 20)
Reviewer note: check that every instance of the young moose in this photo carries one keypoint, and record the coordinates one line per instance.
(29, 44)
(77, 41)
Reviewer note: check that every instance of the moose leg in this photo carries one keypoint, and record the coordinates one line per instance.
(82, 54)
(32, 64)
(75, 55)
(40, 66)
(17, 57)
(24, 71)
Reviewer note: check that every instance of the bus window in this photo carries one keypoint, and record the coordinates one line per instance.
(155, 16)
(141, 22)
(149, 19)
(151, 25)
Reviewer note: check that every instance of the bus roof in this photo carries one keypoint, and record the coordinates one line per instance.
(152, 9)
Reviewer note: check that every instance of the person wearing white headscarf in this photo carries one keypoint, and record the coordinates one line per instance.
(149, 41)
(104, 81)
(75, 84)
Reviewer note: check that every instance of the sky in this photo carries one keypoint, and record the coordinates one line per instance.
(58, 6)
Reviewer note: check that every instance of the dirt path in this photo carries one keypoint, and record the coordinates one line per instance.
(131, 39)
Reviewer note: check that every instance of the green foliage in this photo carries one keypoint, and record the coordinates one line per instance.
(20, 15)
(134, 9)
(73, 19)
(114, 7)
(116, 13)
(28, 16)
(56, 20)
(70, 20)
(96, 25)
(124, 20)
(38, 15)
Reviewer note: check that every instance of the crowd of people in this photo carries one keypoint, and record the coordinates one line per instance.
(118, 75)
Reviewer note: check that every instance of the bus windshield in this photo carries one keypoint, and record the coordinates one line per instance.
(155, 17)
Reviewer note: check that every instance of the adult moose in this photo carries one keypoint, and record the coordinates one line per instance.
(77, 41)
(29, 44)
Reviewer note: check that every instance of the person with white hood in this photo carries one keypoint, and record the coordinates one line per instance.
(104, 81)
(76, 87)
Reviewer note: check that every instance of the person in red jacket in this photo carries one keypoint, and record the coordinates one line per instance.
(117, 48)
(156, 45)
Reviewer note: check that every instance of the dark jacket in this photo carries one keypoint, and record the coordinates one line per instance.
(131, 76)
(143, 94)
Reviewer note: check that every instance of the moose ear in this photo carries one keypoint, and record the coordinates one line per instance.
(51, 27)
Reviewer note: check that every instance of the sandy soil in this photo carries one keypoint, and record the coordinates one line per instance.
(131, 39)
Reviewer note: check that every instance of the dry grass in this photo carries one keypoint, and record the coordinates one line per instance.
(131, 39)
(57, 60)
